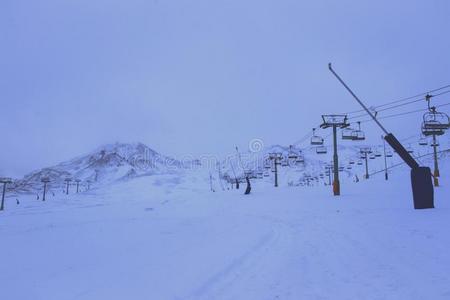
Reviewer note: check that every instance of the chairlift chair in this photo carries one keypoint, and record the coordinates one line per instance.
(315, 139)
(300, 159)
(359, 163)
(372, 156)
(423, 141)
(321, 150)
(435, 144)
(434, 122)
(352, 162)
(358, 135)
(377, 153)
(347, 134)
(389, 153)
(292, 155)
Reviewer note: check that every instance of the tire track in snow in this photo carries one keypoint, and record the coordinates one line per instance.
(253, 265)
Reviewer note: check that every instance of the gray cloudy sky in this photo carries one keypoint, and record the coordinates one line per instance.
(202, 76)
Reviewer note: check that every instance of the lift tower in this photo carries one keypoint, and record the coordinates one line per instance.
(5, 181)
(335, 121)
(45, 181)
(276, 157)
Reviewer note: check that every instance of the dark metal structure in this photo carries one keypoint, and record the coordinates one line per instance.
(45, 181)
(275, 157)
(335, 122)
(5, 181)
(365, 151)
(67, 180)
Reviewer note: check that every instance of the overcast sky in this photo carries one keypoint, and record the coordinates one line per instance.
(203, 76)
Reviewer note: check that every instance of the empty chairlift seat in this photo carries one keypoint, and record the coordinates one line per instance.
(358, 134)
(435, 123)
(321, 150)
(423, 141)
(347, 134)
(315, 139)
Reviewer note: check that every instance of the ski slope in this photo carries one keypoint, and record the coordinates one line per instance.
(169, 237)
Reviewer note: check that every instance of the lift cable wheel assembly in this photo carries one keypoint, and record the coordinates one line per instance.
(422, 187)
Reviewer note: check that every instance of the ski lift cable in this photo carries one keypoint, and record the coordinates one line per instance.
(404, 113)
(396, 106)
(402, 163)
(406, 98)
(308, 135)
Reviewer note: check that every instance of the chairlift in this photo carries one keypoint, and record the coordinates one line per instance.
(351, 162)
(372, 156)
(292, 155)
(423, 141)
(389, 153)
(300, 159)
(358, 135)
(321, 150)
(409, 149)
(349, 167)
(377, 153)
(341, 169)
(315, 139)
(266, 174)
(347, 133)
(267, 164)
(434, 122)
(359, 163)
(284, 163)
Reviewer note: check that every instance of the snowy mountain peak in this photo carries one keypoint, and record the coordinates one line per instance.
(106, 164)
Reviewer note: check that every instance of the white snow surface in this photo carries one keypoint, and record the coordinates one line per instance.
(169, 237)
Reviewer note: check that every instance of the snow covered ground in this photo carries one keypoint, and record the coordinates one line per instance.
(168, 237)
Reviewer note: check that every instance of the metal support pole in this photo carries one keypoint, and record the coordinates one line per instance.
(329, 174)
(336, 185)
(67, 188)
(436, 167)
(276, 171)
(386, 176)
(45, 189)
(367, 166)
(3, 196)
